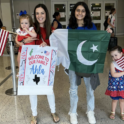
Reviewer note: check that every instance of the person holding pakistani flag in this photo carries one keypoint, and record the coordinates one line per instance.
(81, 51)
(80, 19)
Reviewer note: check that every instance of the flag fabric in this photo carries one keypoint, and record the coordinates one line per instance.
(82, 51)
(3, 40)
(46, 53)
(120, 62)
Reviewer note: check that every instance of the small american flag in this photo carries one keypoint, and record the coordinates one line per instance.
(46, 53)
(120, 62)
(3, 39)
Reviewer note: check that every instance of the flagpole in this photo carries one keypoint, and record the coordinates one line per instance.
(15, 33)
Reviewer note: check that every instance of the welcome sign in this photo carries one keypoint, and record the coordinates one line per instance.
(37, 70)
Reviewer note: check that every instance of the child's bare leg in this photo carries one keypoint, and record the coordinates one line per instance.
(121, 102)
(114, 104)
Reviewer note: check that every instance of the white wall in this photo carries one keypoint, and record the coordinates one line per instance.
(6, 14)
(120, 17)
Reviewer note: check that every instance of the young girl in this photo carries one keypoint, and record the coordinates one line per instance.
(26, 30)
(116, 81)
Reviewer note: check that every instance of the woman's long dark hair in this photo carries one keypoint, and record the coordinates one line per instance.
(87, 20)
(112, 10)
(47, 25)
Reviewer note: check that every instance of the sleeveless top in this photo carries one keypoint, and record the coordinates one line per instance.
(59, 24)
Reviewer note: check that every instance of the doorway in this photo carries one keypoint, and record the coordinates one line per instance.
(100, 10)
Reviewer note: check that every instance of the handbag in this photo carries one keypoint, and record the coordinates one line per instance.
(113, 41)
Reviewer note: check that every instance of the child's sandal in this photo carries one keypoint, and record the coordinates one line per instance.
(55, 117)
(122, 116)
(34, 120)
(112, 115)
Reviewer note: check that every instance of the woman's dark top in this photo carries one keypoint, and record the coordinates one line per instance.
(59, 24)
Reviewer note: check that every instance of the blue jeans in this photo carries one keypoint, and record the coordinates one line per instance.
(74, 96)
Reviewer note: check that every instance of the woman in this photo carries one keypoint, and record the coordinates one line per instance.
(56, 24)
(43, 30)
(111, 20)
(80, 19)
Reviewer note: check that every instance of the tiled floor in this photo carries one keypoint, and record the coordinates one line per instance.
(16, 109)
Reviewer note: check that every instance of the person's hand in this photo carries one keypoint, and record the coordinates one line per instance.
(20, 44)
(25, 29)
(52, 31)
(30, 39)
(43, 44)
(109, 30)
(113, 27)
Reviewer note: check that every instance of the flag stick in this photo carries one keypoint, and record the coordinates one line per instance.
(15, 33)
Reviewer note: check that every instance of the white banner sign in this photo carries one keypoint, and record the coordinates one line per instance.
(37, 70)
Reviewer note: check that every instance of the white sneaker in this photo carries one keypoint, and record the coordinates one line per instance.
(91, 117)
(73, 118)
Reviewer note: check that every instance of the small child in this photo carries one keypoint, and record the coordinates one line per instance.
(116, 81)
(26, 30)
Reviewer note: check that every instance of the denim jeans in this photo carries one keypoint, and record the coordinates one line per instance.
(74, 96)
(33, 102)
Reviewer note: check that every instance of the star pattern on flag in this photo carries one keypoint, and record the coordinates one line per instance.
(94, 48)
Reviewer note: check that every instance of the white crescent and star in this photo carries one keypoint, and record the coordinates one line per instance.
(81, 58)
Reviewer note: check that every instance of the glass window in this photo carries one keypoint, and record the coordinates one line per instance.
(96, 11)
(64, 26)
(108, 7)
(61, 8)
(98, 26)
(71, 7)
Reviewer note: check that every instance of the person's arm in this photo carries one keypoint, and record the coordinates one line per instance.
(32, 32)
(109, 21)
(55, 24)
(114, 73)
(29, 39)
(16, 40)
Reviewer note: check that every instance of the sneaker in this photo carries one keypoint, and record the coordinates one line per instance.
(91, 117)
(73, 118)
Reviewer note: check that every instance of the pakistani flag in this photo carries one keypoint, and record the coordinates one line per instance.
(82, 51)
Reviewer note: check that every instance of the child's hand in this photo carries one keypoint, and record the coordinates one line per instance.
(25, 29)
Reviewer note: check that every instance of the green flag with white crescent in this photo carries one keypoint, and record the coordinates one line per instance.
(82, 51)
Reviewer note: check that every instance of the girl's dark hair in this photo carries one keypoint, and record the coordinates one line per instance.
(55, 14)
(47, 25)
(87, 20)
(118, 48)
(26, 16)
(112, 10)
